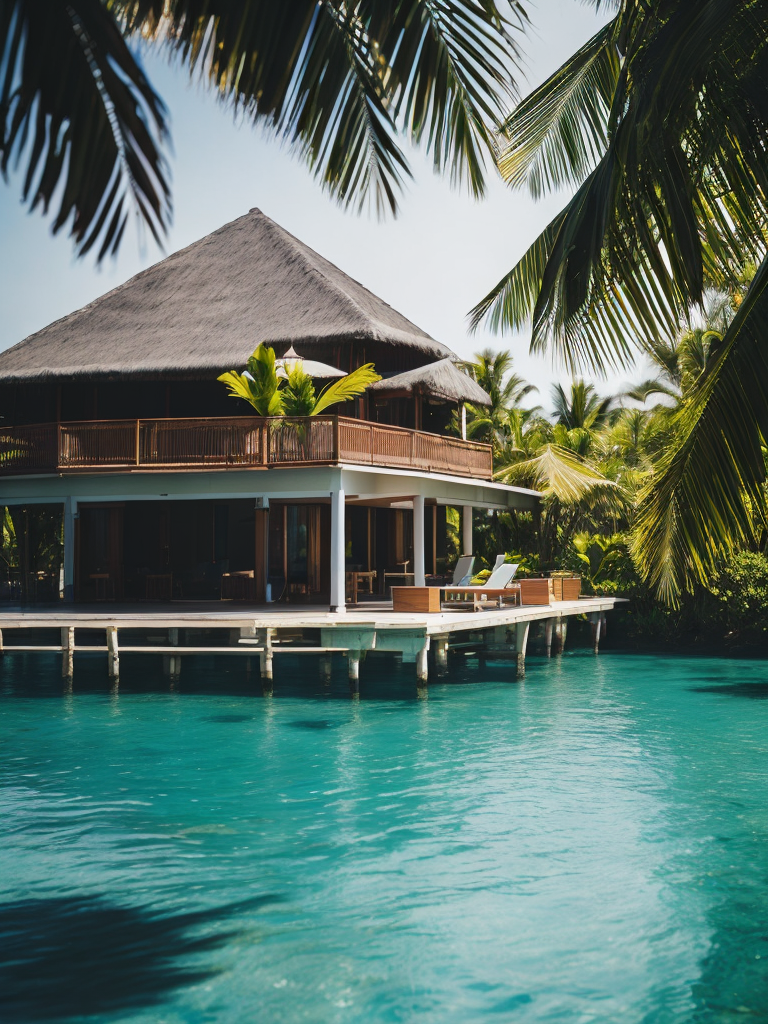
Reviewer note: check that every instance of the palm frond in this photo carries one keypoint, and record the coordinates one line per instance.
(706, 496)
(346, 388)
(78, 112)
(341, 82)
(557, 134)
(560, 473)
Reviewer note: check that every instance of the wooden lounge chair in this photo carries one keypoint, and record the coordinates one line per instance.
(497, 591)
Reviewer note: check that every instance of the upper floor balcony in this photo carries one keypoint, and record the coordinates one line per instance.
(178, 445)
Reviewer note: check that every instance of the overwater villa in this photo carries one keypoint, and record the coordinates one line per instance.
(115, 420)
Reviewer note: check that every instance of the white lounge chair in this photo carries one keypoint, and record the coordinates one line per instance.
(462, 573)
(496, 590)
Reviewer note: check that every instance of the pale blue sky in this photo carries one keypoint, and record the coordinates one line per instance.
(440, 256)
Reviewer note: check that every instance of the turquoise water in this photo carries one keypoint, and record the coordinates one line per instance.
(589, 846)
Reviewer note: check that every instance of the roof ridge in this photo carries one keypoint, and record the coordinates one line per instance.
(297, 244)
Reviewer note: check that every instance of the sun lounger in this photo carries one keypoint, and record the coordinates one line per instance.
(497, 590)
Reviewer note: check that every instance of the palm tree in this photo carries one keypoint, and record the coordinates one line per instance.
(582, 408)
(506, 389)
(339, 81)
(660, 124)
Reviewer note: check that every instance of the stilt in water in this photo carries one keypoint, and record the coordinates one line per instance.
(68, 653)
(422, 664)
(265, 660)
(353, 657)
(559, 635)
(326, 669)
(172, 662)
(441, 655)
(521, 643)
(113, 654)
(548, 625)
(595, 622)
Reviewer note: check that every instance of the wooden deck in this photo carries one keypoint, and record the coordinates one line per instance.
(234, 443)
(268, 631)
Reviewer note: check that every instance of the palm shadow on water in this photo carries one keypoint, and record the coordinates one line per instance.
(76, 957)
(752, 691)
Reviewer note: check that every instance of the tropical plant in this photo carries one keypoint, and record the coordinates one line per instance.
(660, 123)
(340, 82)
(581, 407)
(299, 398)
(259, 385)
(273, 394)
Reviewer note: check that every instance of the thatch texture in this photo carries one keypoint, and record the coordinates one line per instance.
(204, 310)
(442, 379)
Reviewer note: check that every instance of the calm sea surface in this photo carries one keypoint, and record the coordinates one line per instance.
(587, 846)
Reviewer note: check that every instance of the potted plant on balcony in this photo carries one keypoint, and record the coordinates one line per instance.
(273, 393)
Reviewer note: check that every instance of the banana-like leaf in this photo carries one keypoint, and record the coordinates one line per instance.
(346, 388)
(79, 114)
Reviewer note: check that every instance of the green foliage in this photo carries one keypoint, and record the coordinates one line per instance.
(660, 125)
(259, 385)
(272, 395)
(742, 590)
(346, 85)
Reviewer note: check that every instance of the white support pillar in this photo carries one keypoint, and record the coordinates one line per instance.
(418, 540)
(441, 654)
(70, 510)
(113, 653)
(548, 626)
(338, 564)
(463, 421)
(265, 658)
(422, 664)
(521, 643)
(353, 659)
(466, 530)
(596, 622)
(67, 652)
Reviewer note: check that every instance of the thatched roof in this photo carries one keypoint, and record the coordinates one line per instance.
(206, 308)
(442, 379)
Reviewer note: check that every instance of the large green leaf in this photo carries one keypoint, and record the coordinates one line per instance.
(341, 81)
(78, 113)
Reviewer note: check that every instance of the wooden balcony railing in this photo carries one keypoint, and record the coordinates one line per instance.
(240, 442)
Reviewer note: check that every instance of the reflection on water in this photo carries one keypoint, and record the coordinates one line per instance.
(588, 846)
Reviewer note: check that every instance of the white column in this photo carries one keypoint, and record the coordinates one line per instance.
(70, 508)
(466, 530)
(338, 577)
(418, 540)
(463, 421)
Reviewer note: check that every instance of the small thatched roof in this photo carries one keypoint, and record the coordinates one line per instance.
(442, 379)
(204, 309)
